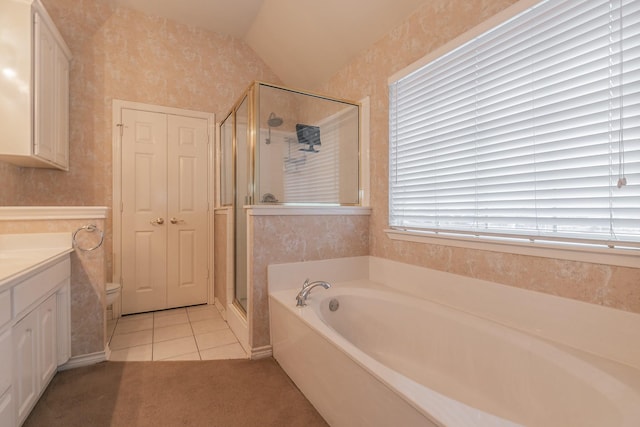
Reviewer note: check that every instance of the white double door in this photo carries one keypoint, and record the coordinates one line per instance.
(164, 211)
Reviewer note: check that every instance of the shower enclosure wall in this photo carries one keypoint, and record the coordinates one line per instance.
(281, 147)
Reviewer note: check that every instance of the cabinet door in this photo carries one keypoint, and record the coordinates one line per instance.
(61, 99)
(25, 380)
(51, 97)
(6, 350)
(6, 410)
(48, 349)
(44, 96)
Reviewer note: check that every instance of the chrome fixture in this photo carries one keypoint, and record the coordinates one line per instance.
(301, 298)
(273, 122)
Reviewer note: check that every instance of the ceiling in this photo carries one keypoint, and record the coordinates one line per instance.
(303, 41)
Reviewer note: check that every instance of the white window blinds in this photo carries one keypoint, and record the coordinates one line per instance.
(530, 129)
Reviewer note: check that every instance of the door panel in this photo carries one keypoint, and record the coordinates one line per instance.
(48, 344)
(187, 210)
(144, 201)
(165, 211)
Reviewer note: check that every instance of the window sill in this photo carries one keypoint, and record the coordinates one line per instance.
(590, 254)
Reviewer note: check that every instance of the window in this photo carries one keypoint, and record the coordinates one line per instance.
(531, 130)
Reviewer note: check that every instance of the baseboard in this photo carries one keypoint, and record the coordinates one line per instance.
(86, 360)
(261, 352)
(220, 306)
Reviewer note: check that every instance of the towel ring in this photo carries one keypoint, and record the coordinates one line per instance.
(90, 228)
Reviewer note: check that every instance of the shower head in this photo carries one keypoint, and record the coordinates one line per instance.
(274, 121)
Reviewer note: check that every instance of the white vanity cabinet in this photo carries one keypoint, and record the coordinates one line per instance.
(34, 338)
(6, 397)
(34, 87)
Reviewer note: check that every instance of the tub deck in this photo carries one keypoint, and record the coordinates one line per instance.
(459, 386)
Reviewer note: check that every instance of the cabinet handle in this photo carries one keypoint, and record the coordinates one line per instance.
(157, 221)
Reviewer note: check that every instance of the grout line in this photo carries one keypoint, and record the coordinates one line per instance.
(193, 335)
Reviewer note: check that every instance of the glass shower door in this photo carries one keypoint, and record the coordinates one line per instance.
(242, 198)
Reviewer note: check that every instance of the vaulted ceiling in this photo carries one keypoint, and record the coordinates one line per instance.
(303, 41)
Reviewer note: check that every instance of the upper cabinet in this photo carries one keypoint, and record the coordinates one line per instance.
(34, 87)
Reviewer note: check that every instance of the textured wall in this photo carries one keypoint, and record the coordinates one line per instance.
(292, 238)
(122, 54)
(428, 28)
(88, 323)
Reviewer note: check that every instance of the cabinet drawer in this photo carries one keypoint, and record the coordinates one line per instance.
(5, 307)
(6, 349)
(34, 288)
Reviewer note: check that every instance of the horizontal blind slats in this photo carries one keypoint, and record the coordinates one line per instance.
(519, 129)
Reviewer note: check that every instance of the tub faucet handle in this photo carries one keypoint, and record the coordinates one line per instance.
(301, 298)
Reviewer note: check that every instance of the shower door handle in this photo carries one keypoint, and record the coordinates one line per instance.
(157, 221)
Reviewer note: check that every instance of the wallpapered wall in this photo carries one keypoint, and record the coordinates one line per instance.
(122, 54)
(431, 26)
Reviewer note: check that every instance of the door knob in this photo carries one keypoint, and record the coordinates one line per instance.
(157, 221)
(175, 220)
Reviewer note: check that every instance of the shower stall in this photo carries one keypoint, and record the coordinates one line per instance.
(282, 147)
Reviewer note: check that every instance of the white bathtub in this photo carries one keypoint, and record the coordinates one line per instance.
(385, 358)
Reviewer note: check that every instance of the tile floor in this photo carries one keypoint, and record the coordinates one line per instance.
(190, 333)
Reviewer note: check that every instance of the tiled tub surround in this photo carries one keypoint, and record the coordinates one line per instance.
(528, 357)
(88, 272)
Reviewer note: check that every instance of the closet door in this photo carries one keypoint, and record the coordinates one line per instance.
(165, 208)
(187, 211)
(144, 211)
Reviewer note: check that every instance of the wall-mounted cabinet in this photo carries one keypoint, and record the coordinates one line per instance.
(34, 87)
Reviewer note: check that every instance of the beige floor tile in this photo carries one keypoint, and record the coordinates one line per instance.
(172, 332)
(208, 325)
(215, 339)
(204, 314)
(135, 317)
(230, 351)
(111, 326)
(170, 312)
(133, 326)
(176, 319)
(193, 308)
(131, 339)
(190, 356)
(140, 353)
(165, 349)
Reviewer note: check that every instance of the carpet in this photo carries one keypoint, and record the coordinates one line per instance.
(186, 393)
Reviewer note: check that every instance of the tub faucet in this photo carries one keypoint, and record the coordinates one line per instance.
(301, 298)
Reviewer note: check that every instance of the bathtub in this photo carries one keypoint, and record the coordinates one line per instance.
(386, 358)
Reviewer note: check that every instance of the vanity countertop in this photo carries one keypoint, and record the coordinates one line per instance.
(22, 254)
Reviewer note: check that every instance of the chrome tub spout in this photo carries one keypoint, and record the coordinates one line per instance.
(301, 298)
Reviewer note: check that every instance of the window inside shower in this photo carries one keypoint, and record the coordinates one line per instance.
(306, 149)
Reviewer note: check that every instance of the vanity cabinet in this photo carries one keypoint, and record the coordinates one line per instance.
(34, 87)
(35, 355)
(6, 397)
(35, 340)
(25, 364)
